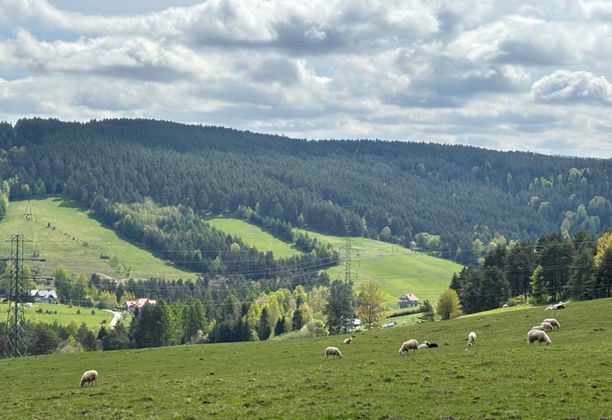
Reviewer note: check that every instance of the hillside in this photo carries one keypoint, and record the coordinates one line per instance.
(63, 233)
(449, 199)
(502, 376)
(396, 269)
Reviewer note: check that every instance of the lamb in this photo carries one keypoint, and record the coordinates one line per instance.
(547, 326)
(553, 322)
(559, 305)
(333, 352)
(348, 340)
(411, 344)
(424, 345)
(539, 336)
(471, 339)
(89, 376)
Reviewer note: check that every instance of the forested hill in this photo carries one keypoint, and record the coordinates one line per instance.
(452, 200)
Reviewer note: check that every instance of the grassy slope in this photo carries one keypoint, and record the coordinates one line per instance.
(64, 316)
(254, 236)
(501, 377)
(397, 270)
(66, 243)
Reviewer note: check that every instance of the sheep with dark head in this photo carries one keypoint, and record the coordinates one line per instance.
(411, 344)
(89, 376)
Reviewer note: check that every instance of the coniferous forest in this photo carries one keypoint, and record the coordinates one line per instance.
(453, 201)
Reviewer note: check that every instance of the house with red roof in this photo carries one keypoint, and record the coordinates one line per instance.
(408, 300)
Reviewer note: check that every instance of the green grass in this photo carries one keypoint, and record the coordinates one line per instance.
(501, 377)
(65, 234)
(64, 316)
(254, 236)
(396, 269)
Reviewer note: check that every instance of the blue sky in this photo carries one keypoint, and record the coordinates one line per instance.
(496, 74)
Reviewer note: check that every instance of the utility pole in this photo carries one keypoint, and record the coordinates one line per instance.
(15, 323)
(15, 331)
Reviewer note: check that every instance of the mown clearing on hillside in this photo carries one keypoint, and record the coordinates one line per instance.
(254, 236)
(63, 233)
(501, 377)
(396, 269)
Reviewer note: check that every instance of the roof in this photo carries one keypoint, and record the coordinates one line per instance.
(139, 303)
(409, 297)
(44, 294)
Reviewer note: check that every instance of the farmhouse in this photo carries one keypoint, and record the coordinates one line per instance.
(132, 305)
(44, 296)
(408, 300)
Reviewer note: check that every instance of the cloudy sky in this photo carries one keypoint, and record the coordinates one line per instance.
(506, 75)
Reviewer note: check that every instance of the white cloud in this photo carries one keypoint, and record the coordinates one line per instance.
(402, 69)
(563, 86)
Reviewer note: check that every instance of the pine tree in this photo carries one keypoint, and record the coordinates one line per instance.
(263, 330)
(297, 322)
(339, 308)
(279, 328)
(427, 311)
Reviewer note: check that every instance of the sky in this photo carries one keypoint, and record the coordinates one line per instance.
(504, 75)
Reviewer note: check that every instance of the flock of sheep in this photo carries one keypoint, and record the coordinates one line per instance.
(537, 333)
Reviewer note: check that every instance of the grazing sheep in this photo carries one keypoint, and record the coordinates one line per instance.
(411, 344)
(553, 322)
(549, 308)
(537, 328)
(89, 376)
(433, 345)
(333, 352)
(539, 336)
(547, 326)
(471, 339)
(348, 340)
(505, 305)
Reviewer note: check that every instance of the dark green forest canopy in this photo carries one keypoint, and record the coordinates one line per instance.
(439, 197)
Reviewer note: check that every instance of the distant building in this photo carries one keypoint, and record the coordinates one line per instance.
(132, 305)
(408, 300)
(44, 296)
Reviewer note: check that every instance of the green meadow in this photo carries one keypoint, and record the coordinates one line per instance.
(62, 314)
(500, 377)
(254, 236)
(62, 233)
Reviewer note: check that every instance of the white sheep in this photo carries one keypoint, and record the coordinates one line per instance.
(333, 352)
(553, 322)
(559, 305)
(549, 308)
(471, 339)
(538, 328)
(89, 376)
(547, 326)
(411, 344)
(539, 336)
(348, 340)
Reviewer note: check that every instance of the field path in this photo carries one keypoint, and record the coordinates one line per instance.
(116, 317)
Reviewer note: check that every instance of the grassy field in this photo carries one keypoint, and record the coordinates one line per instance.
(65, 234)
(501, 377)
(396, 269)
(254, 236)
(64, 316)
